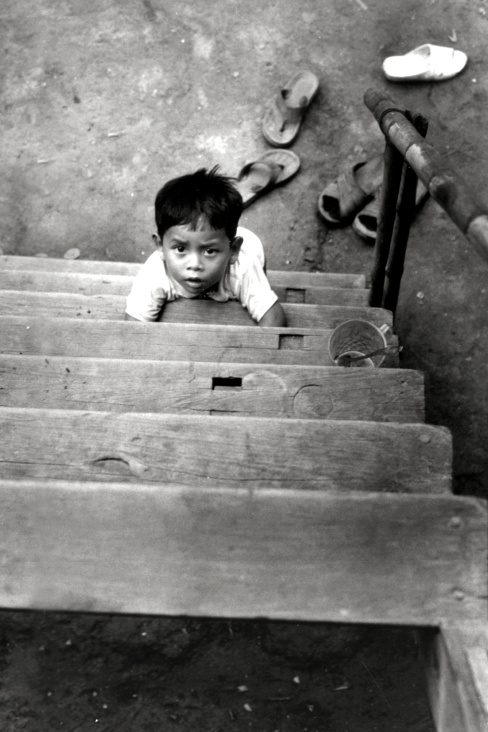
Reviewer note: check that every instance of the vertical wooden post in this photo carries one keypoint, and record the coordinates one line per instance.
(405, 211)
(456, 666)
(389, 195)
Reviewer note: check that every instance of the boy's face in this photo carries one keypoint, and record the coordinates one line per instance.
(197, 259)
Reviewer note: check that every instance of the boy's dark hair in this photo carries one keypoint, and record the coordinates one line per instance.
(186, 199)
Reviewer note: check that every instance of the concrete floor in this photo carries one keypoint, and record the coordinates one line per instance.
(103, 101)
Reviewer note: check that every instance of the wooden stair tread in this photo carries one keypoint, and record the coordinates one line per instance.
(292, 555)
(30, 335)
(106, 284)
(112, 307)
(297, 314)
(129, 269)
(260, 390)
(198, 450)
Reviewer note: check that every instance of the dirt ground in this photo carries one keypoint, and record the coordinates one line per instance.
(102, 101)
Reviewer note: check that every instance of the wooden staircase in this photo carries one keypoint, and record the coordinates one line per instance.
(205, 466)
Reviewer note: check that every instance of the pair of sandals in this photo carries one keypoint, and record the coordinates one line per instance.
(280, 126)
(354, 197)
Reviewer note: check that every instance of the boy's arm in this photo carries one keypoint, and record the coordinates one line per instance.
(275, 317)
(254, 290)
(148, 293)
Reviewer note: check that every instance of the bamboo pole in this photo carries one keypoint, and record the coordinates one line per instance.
(443, 183)
(386, 220)
(405, 213)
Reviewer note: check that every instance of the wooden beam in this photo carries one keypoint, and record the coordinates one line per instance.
(296, 555)
(112, 307)
(196, 450)
(456, 661)
(297, 315)
(260, 390)
(30, 335)
(322, 295)
(283, 278)
(107, 284)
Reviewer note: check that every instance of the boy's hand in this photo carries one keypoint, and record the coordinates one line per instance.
(274, 318)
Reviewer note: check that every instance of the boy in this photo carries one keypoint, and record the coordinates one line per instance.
(201, 252)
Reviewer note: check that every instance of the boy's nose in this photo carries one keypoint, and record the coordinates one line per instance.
(194, 262)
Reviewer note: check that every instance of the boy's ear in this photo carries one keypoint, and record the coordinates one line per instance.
(158, 243)
(235, 247)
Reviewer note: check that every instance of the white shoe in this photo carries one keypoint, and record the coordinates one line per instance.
(425, 63)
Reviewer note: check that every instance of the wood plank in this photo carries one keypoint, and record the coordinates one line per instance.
(196, 450)
(63, 281)
(295, 278)
(291, 555)
(322, 295)
(284, 278)
(456, 660)
(112, 307)
(297, 315)
(29, 335)
(260, 390)
(99, 284)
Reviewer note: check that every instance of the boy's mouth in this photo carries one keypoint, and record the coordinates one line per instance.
(194, 282)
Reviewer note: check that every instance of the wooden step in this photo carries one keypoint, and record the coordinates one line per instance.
(166, 341)
(260, 390)
(297, 315)
(282, 278)
(112, 307)
(289, 555)
(197, 450)
(103, 284)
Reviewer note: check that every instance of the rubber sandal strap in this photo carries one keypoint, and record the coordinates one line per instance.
(271, 170)
(291, 114)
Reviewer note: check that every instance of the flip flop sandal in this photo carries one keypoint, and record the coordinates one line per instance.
(283, 117)
(425, 63)
(341, 199)
(272, 169)
(366, 222)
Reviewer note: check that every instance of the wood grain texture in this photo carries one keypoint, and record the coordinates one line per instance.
(166, 341)
(108, 284)
(297, 315)
(260, 390)
(112, 307)
(297, 555)
(129, 269)
(198, 450)
(322, 295)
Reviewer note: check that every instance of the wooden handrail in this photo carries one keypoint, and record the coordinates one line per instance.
(443, 183)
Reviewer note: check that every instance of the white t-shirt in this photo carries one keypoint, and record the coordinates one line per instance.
(244, 281)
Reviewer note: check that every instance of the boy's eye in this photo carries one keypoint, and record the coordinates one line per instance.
(210, 251)
(180, 248)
